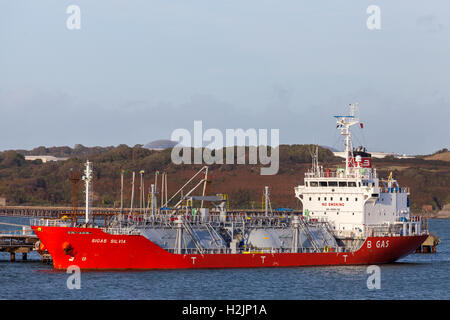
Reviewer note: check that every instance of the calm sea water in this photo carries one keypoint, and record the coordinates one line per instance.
(418, 276)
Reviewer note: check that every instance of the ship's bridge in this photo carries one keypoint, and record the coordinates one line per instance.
(349, 202)
(352, 198)
(339, 196)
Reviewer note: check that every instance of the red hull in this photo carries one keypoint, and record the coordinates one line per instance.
(95, 249)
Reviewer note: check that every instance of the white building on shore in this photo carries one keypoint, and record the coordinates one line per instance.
(44, 158)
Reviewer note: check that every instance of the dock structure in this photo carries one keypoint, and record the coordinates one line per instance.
(21, 241)
(17, 242)
(429, 245)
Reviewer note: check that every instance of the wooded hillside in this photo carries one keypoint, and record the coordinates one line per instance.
(35, 183)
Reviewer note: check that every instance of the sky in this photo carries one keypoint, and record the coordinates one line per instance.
(136, 71)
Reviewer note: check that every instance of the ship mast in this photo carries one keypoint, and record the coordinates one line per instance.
(344, 123)
(87, 180)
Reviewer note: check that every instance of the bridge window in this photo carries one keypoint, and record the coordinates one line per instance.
(352, 184)
(313, 183)
(332, 183)
(323, 183)
(342, 183)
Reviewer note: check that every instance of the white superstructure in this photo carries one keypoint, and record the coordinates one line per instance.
(352, 198)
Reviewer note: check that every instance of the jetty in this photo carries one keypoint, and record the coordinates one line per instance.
(429, 245)
(20, 242)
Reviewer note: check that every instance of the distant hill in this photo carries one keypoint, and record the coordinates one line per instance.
(331, 149)
(77, 151)
(440, 155)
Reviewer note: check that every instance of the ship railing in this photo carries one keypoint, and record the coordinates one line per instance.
(50, 222)
(395, 190)
(397, 229)
(383, 230)
(325, 249)
(121, 231)
(255, 219)
(410, 219)
(339, 175)
(199, 251)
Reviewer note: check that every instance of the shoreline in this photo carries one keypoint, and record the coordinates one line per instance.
(436, 215)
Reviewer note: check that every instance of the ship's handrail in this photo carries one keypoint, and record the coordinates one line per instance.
(325, 249)
(49, 222)
(339, 175)
(192, 233)
(410, 219)
(214, 235)
(303, 226)
(122, 231)
(395, 190)
(395, 230)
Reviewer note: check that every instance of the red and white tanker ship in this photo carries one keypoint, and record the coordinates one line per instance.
(350, 217)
